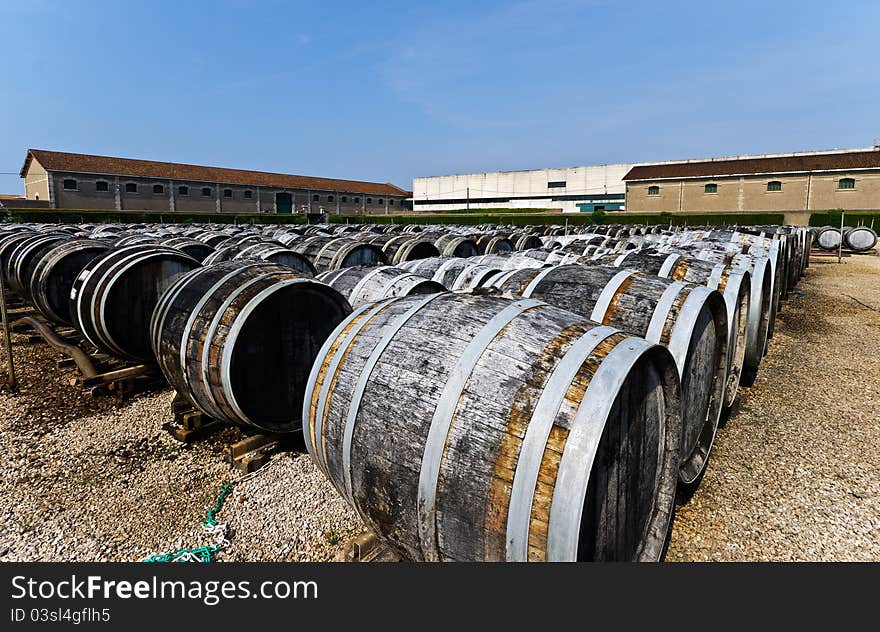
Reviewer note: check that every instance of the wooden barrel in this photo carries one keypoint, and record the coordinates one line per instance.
(452, 245)
(332, 253)
(525, 241)
(368, 284)
(196, 249)
(453, 273)
(476, 428)
(735, 286)
(113, 298)
(24, 256)
(400, 248)
(275, 253)
(690, 320)
(490, 244)
(860, 239)
(134, 240)
(238, 340)
(513, 261)
(54, 274)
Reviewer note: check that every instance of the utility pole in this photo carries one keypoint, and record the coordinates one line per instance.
(840, 245)
(468, 198)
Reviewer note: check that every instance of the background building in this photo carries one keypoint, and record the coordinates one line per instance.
(846, 178)
(569, 189)
(81, 181)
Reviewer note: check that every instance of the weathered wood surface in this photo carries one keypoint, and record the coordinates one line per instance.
(332, 253)
(53, 276)
(113, 298)
(367, 284)
(238, 340)
(196, 249)
(691, 320)
(451, 245)
(450, 423)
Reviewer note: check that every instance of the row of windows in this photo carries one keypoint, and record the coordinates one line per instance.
(772, 186)
(102, 186)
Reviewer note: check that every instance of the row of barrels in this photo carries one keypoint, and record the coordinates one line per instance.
(491, 407)
(852, 238)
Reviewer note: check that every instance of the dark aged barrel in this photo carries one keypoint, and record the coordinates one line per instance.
(493, 244)
(368, 284)
(471, 428)
(734, 285)
(24, 257)
(275, 253)
(53, 276)
(690, 320)
(196, 249)
(860, 239)
(332, 253)
(525, 241)
(113, 298)
(451, 245)
(238, 339)
(402, 248)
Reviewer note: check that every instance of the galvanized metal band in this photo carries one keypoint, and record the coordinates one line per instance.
(536, 281)
(440, 272)
(84, 276)
(600, 310)
(715, 276)
(330, 276)
(312, 431)
(490, 282)
(441, 422)
(682, 329)
(157, 321)
(668, 265)
(620, 258)
(365, 373)
(366, 279)
(661, 311)
(388, 287)
(531, 452)
(465, 276)
(585, 433)
(323, 248)
(504, 277)
(234, 330)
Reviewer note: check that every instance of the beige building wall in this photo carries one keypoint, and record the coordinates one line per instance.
(36, 182)
(815, 192)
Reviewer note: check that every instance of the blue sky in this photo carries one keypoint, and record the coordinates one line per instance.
(391, 90)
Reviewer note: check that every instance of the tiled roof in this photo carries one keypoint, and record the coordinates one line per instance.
(104, 165)
(843, 161)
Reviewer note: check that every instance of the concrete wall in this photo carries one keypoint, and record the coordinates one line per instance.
(751, 194)
(36, 182)
(87, 196)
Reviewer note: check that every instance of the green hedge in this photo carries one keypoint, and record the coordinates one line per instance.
(75, 216)
(854, 218)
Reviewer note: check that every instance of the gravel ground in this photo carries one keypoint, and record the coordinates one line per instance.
(795, 474)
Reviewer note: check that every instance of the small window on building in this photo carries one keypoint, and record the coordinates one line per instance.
(379, 201)
(774, 185)
(710, 188)
(329, 198)
(390, 202)
(345, 198)
(70, 184)
(227, 193)
(846, 183)
(158, 189)
(316, 198)
(102, 186)
(654, 190)
(131, 187)
(558, 184)
(206, 191)
(184, 190)
(248, 194)
(357, 200)
(369, 200)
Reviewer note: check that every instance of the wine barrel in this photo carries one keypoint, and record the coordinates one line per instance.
(477, 428)
(363, 284)
(54, 274)
(402, 248)
(860, 239)
(196, 249)
(332, 253)
(113, 298)
(24, 257)
(238, 339)
(489, 244)
(452, 245)
(525, 241)
(690, 320)
(274, 253)
(828, 238)
(454, 273)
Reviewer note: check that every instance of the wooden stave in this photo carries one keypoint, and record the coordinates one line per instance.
(74, 255)
(363, 284)
(352, 333)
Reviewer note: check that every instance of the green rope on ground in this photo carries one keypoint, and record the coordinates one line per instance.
(203, 553)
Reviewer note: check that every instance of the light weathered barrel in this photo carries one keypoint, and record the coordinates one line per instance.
(476, 428)
(238, 340)
(690, 320)
(54, 274)
(367, 284)
(332, 253)
(453, 273)
(113, 298)
(860, 239)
